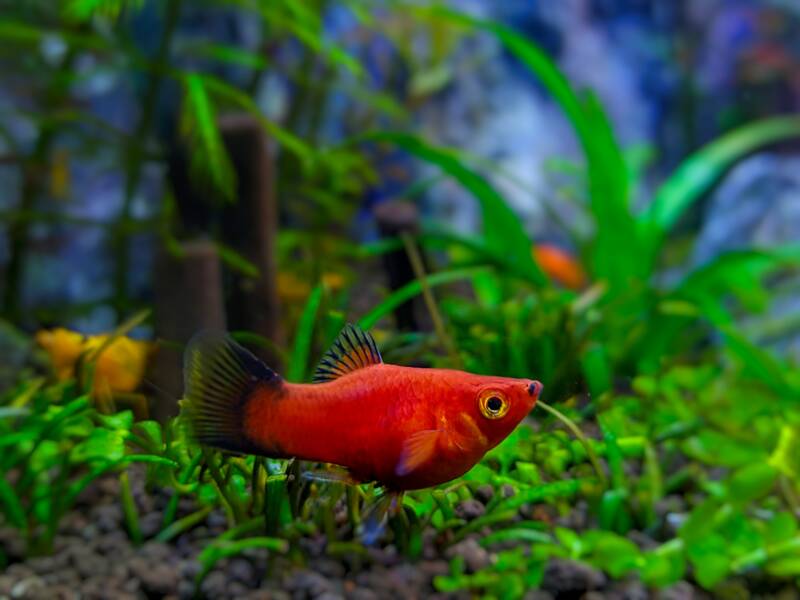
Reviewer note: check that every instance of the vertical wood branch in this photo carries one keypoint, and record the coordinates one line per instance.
(395, 218)
(250, 227)
(188, 298)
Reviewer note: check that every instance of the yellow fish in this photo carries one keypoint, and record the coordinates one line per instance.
(119, 366)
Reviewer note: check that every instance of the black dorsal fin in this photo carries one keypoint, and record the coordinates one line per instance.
(354, 349)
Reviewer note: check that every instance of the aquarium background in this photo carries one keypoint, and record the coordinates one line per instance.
(600, 194)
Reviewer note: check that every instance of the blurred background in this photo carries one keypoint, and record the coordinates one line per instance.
(114, 121)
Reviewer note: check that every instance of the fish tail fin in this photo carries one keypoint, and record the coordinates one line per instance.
(220, 379)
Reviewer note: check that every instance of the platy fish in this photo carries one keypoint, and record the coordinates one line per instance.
(402, 427)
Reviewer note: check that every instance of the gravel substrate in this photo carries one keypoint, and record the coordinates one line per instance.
(94, 559)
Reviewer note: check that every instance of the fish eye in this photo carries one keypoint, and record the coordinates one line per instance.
(493, 404)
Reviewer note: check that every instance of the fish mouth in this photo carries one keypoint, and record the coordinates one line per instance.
(535, 388)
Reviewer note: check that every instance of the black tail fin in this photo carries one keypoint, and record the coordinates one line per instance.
(220, 377)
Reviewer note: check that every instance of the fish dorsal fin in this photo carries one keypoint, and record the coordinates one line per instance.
(354, 349)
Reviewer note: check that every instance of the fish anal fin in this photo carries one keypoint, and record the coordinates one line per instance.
(417, 450)
(354, 349)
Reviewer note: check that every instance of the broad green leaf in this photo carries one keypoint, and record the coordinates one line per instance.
(209, 160)
(12, 505)
(665, 565)
(708, 556)
(612, 553)
(786, 456)
(751, 482)
(236, 261)
(284, 137)
(702, 169)
(224, 53)
(614, 250)
(505, 238)
(396, 298)
(84, 10)
(102, 444)
(714, 448)
(298, 365)
(122, 421)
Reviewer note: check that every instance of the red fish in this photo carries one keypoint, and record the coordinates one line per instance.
(401, 427)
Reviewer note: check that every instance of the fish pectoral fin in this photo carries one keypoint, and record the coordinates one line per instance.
(330, 475)
(418, 449)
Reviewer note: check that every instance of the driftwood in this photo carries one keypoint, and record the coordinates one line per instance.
(250, 227)
(188, 298)
(396, 217)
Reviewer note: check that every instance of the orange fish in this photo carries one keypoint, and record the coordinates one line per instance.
(559, 265)
(404, 428)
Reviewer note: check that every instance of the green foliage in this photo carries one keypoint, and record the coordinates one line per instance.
(210, 161)
(54, 446)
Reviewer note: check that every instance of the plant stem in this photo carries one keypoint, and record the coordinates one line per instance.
(430, 302)
(129, 509)
(570, 424)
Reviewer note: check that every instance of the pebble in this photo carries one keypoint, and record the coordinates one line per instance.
(681, 590)
(92, 561)
(360, 593)
(541, 595)
(309, 582)
(28, 587)
(470, 509)
(215, 585)
(475, 556)
(155, 577)
(484, 493)
(563, 576)
(333, 569)
(150, 524)
(242, 571)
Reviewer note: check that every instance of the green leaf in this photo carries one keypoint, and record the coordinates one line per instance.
(84, 10)
(305, 334)
(708, 556)
(614, 250)
(12, 505)
(122, 421)
(785, 567)
(702, 169)
(219, 550)
(786, 456)
(596, 368)
(209, 160)
(665, 565)
(414, 288)
(714, 448)
(751, 482)
(236, 261)
(284, 137)
(759, 363)
(224, 53)
(102, 444)
(612, 553)
(516, 534)
(505, 238)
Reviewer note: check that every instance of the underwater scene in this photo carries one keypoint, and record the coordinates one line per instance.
(399, 299)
